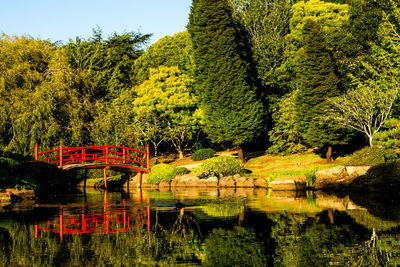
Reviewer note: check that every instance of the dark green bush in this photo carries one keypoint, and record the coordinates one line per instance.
(219, 167)
(180, 171)
(386, 174)
(8, 163)
(203, 154)
(372, 156)
(161, 171)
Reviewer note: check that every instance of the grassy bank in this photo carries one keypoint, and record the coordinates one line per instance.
(271, 167)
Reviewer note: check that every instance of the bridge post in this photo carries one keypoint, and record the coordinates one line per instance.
(36, 152)
(61, 156)
(105, 177)
(123, 155)
(83, 155)
(148, 156)
(107, 154)
(139, 181)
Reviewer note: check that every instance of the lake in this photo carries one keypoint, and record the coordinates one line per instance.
(193, 227)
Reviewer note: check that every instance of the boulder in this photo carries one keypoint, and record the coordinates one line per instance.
(356, 171)
(192, 182)
(249, 182)
(227, 182)
(338, 172)
(289, 183)
(164, 184)
(239, 180)
(212, 182)
(333, 178)
(260, 183)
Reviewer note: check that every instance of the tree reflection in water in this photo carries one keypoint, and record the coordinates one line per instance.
(214, 231)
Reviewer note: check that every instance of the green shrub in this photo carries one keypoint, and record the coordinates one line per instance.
(161, 171)
(203, 154)
(310, 177)
(219, 167)
(8, 163)
(372, 156)
(180, 171)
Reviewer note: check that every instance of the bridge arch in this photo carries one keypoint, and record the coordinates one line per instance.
(106, 157)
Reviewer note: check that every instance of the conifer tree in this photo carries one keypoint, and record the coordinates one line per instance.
(317, 82)
(222, 80)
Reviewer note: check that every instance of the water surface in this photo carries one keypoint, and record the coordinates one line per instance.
(226, 227)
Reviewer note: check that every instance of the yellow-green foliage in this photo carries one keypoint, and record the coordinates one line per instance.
(219, 166)
(165, 102)
(165, 172)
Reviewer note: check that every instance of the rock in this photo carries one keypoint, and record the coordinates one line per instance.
(333, 178)
(187, 180)
(193, 182)
(249, 182)
(239, 180)
(356, 171)
(260, 183)
(227, 182)
(338, 172)
(237, 176)
(289, 183)
(164, 183)
(212, 182)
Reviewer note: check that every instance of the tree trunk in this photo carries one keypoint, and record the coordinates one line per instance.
(329, 155)
(180, 154)
(370, 140)
(241, 154)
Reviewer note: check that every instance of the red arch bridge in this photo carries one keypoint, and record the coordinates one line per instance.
(106, 157)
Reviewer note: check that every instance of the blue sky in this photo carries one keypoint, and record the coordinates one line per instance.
(63, 19)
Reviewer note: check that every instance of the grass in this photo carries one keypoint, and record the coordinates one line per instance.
(272, 167)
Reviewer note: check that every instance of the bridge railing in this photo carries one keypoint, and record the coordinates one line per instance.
(104, 155)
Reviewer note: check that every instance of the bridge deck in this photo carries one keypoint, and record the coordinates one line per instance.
(126, 167)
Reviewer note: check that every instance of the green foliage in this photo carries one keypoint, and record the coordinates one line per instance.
(266, 24)
(317, 82)
(372, 156)
(203, 154)
(105, 65)
(8, 163)
(160, 172)
(389, 135)
(384, 175)
(219, 166)
(179, 171)
(284, 136)
(166, 102)
(224, 85)
(310, 177)
(168, 51)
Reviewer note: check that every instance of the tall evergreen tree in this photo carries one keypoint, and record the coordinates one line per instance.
(232, 112)
(317, 81)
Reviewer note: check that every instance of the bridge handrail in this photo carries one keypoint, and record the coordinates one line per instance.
(108, 154)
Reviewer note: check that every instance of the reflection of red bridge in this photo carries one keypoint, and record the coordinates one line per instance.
(110, 219)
